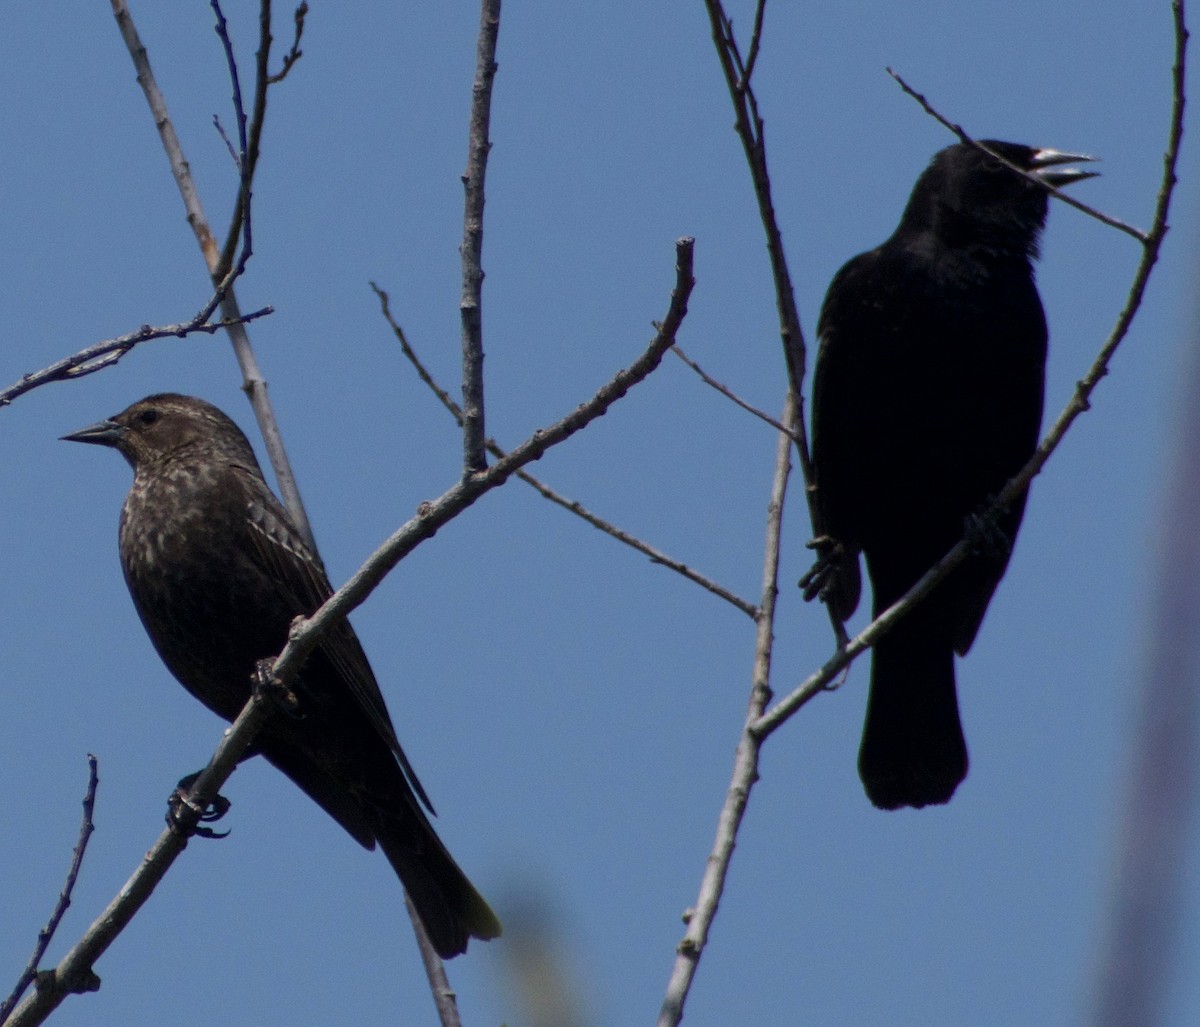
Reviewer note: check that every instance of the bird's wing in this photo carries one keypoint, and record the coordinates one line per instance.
(837, 425)
(296, 572)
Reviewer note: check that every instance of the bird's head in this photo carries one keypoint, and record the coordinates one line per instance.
(968, 195)
(168, 427)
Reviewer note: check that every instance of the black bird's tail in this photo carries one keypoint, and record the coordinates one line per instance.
(448, 904)
(913, 752)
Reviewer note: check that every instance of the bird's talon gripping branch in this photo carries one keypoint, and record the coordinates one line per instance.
(186, 817)
(830, 553)
(273, 690)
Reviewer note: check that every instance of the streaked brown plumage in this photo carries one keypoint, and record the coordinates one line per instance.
(217, 573)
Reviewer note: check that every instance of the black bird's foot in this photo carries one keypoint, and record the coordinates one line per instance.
(185, 817)
(834, 578)
(830, 554)
(271, 689)
(987, 538)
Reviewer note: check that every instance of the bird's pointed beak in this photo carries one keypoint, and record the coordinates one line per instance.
(102, 433)
(1047, 166)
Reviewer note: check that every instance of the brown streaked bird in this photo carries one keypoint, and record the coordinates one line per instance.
(927, 399)
(217, 572)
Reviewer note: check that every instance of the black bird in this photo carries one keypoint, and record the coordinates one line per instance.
(217, 573)
(927, 399)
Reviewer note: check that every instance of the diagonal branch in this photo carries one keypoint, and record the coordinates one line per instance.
(110, 351)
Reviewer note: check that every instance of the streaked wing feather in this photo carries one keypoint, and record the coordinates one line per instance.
(290, 565)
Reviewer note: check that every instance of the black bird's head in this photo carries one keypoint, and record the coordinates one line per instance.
(969, 198)
(167, 428)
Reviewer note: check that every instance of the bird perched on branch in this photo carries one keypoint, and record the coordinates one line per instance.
(927, 399)
(217, 572)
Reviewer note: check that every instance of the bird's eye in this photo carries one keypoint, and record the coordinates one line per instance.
(148, 416)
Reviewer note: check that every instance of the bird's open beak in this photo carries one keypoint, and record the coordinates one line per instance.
(102, 433)
(1047, 166)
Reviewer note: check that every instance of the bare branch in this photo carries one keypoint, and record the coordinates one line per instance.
(110, 351)
(222, 30)
(295, 53)
(755, 41)
(749, 127)
(470, 306)
(745, 765)
(46, 934)
(656, 555)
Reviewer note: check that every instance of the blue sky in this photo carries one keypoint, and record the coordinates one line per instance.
(572, 709)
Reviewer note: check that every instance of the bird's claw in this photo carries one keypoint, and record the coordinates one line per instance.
(273, 690)
(830, 553)
(186, 817)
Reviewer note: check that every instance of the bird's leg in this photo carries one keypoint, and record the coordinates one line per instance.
(987, 538)
(186, 817)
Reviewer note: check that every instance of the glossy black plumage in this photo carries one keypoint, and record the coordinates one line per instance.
(927, 398)
(217, 573)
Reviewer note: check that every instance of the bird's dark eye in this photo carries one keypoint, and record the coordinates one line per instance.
(148, 416)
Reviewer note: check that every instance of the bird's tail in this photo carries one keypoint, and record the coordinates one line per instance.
(913, 752)
(448, 904)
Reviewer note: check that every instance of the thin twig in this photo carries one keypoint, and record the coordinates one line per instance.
(110, 351)
(295, 53)
(656, 555)
(755, 42)
(1067, 198)
(254, 384)
(745, 765)
(471, 251)
(728, 393)
(46, 934)
(235, 80)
